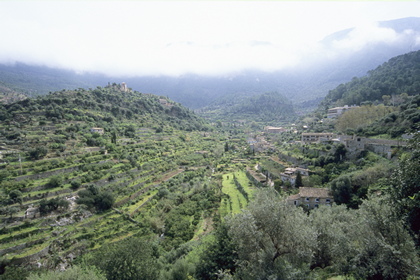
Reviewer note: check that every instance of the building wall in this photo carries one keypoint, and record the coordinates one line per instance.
(311, 202)
(315, 137)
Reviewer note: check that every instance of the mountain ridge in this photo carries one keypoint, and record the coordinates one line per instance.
(303, 85)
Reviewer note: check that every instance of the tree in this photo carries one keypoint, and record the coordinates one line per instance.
(75, 184)
(277, 185)
(298, 182)
(273, 240)
(131, 258)
(12, 272)
(93, 197)
(361, 117)
(386, 99)
(405, 187)
(334, 245)
(104, 201)
(384, 248)
(9, 210)
(182, 269)
(340, 152)
(341, 189)
(47, 206)
(72, 273)
(4, 174)
(114, 137)
(219, 255)
(55, 181)
(38, 152)
(15, 196)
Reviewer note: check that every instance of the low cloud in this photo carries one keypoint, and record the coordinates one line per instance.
(361, 36)
(172, 38)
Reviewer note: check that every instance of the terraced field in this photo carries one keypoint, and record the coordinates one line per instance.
(237, 194)
(66, 190)
(158, 162)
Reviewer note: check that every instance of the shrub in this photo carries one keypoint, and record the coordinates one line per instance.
(38, 153)
(75, 184)
(55, 181)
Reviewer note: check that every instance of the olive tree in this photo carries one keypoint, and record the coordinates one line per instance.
(273, 239)
(131, 258)
(74, 272)
(335, 231)
(385, 249)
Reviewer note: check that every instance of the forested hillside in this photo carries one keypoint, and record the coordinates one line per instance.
(33, 80)
(371, 120)
(104, 107)
(399, 75)
(268, 108)
(386, 100)
(8, 95)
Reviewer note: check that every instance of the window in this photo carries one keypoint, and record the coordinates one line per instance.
(327, 200)
(296, 202)
(307, 199)
(316, 205)
(317, 199)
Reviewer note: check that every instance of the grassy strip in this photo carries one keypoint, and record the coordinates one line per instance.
(133, 209)
(236, 199)
(245, 183)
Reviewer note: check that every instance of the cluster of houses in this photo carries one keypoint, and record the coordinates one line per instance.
(290, 174)
(258, 144)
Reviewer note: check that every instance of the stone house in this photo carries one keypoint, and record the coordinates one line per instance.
(288, 176)
(272, 129)
(97, 130)
(337, 111)
(290, 173)
(311, 197)
(356, 144)
(309, 137)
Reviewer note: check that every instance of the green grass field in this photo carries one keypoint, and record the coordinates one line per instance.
(236, 200)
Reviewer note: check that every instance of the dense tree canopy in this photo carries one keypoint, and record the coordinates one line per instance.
(129, 259)
(399, 75)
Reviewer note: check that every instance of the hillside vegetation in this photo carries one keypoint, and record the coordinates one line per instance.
(387, 101)
(268, 108)
(371, 120)
(399, 75)
(81, 170)
(110, 183)
(102, 107)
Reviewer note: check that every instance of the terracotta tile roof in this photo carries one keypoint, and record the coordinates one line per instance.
(314, 192)
(293, 197)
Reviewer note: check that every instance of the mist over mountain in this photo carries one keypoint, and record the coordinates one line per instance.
(335, 60)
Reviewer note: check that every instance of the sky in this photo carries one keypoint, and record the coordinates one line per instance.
(135, 38)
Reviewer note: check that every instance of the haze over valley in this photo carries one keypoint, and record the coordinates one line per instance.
(209, 140)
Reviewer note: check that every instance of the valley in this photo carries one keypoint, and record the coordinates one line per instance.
(117, 184)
